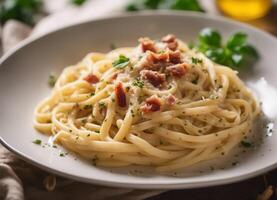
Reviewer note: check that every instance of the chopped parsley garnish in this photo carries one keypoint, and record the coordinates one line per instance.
(112, 46)
(196, 60)
(140, 57)
(38, 142)
(101, 105)
(194, 81)
(94, 160)
(87, 106)
(62, 154)
(138, 82)
(92, 94)
(245, 144)
(133, 113)
(121, 62)
(52, 81)
(213, 96)
(97, 131)
(235, 163)
(161, 52)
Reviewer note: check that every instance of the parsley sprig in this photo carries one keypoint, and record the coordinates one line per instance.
(21, 10)
(78, 2)
(235, 52)
(136, 5)
(121, 62)
(246, 144)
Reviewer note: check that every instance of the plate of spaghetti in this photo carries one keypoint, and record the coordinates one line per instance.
(139, 107)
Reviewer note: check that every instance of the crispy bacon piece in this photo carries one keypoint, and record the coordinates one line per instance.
(170, 100)
(169, 38)
(155, 61)
(152, 104)
(147, 44)
(157, 58)
(120, 95)
(175, 57)
(155, 78)
(172, 45)
(178, 70)
(114, 77)
(91, 78)
(171, 42)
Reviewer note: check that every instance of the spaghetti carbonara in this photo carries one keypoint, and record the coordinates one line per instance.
(158, 104)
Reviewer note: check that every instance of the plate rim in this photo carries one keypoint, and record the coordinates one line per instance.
(114, 183)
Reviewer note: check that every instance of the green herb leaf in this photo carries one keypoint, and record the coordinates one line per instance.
(210, 36)
(121, 62)
(101, 105)
(249, 51)
(238, 39)
(52, 80)
(152, 4)
(237, 53)
(136, 5)
(246, 144)
(112, 46)
(89, 106)
(194, 81)
(138, 82)
(237, 59)
(186, 5)
(78, 2)
(196, 60)
(131, 7)
(38, 142)
(216, 54)
(21, 10)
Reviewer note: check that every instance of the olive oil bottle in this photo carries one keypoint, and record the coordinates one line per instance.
(244, 10)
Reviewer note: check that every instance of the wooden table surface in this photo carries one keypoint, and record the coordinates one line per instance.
(244, 190)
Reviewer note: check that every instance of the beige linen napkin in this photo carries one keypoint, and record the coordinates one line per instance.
(18, 178)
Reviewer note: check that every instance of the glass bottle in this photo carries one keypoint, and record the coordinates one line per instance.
(244, 10)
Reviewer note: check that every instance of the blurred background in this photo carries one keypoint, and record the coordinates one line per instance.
(21, 18)
(27, 18)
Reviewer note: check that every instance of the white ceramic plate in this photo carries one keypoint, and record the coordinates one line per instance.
(23, 83)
